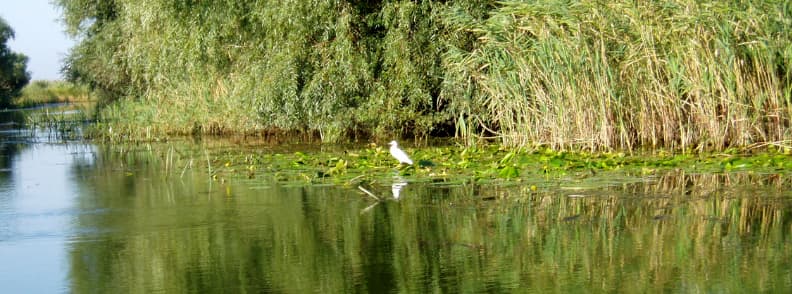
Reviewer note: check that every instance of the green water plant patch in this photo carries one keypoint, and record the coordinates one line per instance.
(484, 164)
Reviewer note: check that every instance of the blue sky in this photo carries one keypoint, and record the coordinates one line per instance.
(38, 34)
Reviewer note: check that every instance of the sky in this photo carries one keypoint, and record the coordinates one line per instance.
(39, 34)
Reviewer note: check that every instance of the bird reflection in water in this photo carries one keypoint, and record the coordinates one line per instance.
(396, 187)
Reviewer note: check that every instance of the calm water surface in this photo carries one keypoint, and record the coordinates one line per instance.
(78, 217)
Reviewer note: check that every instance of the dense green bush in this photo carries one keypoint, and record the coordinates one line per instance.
(342, 69)
(678, 74)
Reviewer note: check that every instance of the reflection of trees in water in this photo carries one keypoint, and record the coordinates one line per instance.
(20, 129)
(8, 149)
(165, 231)
(676, 230)
(12, 140)
(10, 118)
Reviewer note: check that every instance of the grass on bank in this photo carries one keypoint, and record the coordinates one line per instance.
(42, 92)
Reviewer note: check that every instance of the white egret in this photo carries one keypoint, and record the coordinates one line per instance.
(399, 154)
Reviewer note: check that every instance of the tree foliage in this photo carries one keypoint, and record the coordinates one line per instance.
(13, 67)
(679, 74)
(340, 68)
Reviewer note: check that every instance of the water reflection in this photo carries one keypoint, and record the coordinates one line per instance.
(37, 196)
(79, 218)
(396, 187)
(13, 137)
(678, 232)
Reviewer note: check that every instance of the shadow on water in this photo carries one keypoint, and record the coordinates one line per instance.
(83, 218)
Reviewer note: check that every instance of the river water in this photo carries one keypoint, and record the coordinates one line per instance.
(92, 218)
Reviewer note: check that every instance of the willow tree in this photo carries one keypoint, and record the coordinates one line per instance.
(337, 68)
(13, 67)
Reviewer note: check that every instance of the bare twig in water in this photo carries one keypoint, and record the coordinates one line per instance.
(368, 208)
(369, 193)
(189, 163)
(208, 164)
(356, 178)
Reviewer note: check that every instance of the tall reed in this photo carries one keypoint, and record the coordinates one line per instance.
(677, 74)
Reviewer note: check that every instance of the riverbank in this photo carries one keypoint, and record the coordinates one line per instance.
(239, 157)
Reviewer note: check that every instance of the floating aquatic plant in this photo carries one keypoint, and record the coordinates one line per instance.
(485, 164)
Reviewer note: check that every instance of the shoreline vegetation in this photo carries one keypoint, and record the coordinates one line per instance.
(491, 164)
(42, 92)
(596, 76)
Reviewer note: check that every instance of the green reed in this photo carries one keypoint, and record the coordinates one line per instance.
(679, 74)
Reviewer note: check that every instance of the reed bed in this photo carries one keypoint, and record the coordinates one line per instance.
(676, 74)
